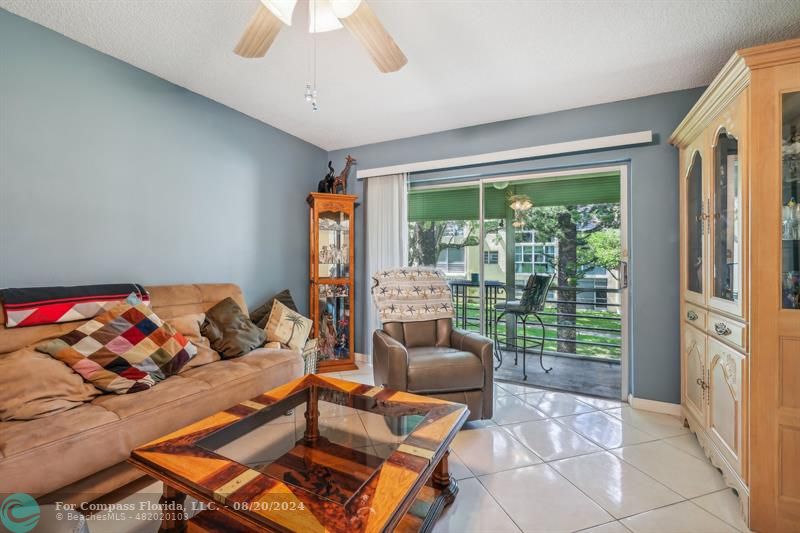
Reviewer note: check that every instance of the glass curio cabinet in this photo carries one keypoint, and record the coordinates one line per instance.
(331, 291)
(739, 153)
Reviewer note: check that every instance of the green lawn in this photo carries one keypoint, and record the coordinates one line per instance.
(606, 337)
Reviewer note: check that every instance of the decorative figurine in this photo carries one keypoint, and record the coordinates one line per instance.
(340, 183)
(326, 184)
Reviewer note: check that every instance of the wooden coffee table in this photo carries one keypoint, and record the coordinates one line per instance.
(346, 457)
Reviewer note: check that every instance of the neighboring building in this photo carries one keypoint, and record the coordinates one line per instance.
(529, 257)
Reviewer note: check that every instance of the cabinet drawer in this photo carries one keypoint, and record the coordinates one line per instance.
(727, 329)
(695, 316)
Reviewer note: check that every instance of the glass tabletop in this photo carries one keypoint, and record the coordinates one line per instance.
(354, 439)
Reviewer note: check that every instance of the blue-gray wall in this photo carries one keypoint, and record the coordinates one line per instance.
(108, 173)
(655, 346)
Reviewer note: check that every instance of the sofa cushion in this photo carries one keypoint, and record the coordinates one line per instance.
(168, 391)
(124, 350)
(34, 385)
(220, 373)
(33, 469)
(230, 331)
(441, 369)
(260, 315)
(56, 433)
(266, 357)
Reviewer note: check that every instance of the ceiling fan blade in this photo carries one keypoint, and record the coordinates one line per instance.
(259, 34)
(365, 26)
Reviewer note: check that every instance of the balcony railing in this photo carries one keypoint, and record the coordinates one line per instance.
(597, 321)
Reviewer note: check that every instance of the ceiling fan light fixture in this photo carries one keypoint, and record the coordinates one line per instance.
(344, 8)
(283, 9)
(321, 17)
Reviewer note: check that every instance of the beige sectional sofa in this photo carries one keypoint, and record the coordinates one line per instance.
(79, 454)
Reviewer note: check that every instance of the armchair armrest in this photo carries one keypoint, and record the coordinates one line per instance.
(482, 347)
(390, 361)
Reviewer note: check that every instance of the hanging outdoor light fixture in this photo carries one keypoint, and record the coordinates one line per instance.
(519, 203)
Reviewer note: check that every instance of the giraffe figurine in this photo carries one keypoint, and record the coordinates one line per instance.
(340, 183)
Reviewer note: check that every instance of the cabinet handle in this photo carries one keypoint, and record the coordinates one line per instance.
(702, 384)
(722, 328)
(691, 315)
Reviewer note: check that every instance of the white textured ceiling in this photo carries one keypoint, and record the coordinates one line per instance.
(469, 61)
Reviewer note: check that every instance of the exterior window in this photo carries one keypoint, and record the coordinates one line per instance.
(451, 260)
(523, 259)
(490, 258)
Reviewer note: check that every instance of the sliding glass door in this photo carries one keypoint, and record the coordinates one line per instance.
(490, 236)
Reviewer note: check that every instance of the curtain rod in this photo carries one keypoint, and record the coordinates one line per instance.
(504, 156)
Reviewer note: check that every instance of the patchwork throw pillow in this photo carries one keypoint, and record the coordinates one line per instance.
(261, 314)
(230, 331)
(124, 350)
(288, 327)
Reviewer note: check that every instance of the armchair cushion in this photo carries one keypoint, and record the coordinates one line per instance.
(441, 369)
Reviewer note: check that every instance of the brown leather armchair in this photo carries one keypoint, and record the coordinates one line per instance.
(432, 358)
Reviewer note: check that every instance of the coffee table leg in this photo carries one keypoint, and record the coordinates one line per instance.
(173, 517)
(312, 416)
(443, 481)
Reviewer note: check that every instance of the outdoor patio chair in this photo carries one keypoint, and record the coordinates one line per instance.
(532, 303)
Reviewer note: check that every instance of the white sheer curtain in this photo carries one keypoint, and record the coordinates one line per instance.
(387, 237)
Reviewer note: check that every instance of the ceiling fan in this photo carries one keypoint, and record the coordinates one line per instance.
(324, 15)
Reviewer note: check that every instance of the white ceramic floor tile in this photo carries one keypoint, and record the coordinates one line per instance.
(511, 410)
(551, 440)
(538, 499)
(366, 378)
(499, 391)
(605, 430)
(619, 488)
(689, 444)
(658, 424)
(491, 449)
(725, 506)
(515, 388)
(457, 467)
(599, 403)
(474, 510)
(557, 404)
(611, 527)
(685, 474)
(684, 517)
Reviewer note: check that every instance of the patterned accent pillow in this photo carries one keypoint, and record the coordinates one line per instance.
(412, 294)
(126, 349)
(288, 327)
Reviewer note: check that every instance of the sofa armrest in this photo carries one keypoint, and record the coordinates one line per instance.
(482, 347)
(390, 361)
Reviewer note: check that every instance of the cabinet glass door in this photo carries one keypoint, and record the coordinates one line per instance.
(333, 245)
(790, 209)
(727, 238)
(694, 225)
(333, 339)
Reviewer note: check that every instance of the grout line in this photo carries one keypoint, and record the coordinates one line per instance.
(500, 505)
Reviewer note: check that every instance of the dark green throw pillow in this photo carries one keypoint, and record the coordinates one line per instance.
(230, 332)
(261, 314)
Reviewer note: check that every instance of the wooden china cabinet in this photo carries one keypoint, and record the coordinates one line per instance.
(332, 280)
(740, 279)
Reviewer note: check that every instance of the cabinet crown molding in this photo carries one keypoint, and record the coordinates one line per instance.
(730, 81)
